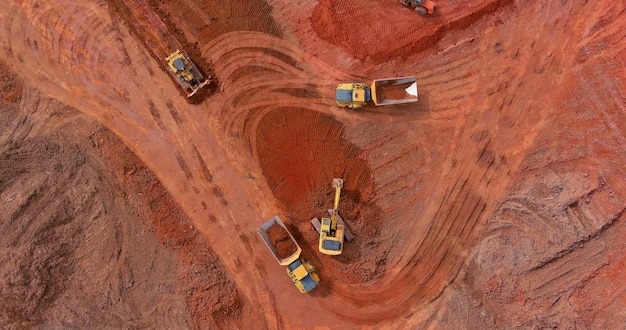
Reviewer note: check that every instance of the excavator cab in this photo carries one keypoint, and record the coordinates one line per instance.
(331, 232)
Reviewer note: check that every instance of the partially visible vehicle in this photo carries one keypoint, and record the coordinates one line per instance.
(382, 92)
(422, 7)
(186, 73)
(281, 243)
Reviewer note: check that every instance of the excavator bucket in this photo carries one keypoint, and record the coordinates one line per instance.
(394, 90)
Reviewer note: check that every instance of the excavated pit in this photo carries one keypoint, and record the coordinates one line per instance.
(300, 152)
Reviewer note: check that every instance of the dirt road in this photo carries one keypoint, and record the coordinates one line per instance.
(502, 187)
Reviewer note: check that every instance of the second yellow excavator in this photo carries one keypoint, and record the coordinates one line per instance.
(331, 231)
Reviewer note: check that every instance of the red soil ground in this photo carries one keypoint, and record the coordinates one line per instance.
(497, 200)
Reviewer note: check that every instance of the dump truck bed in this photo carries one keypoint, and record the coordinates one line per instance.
(394, 90)
(263, 232)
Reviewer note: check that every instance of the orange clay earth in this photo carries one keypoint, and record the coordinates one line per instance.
(495, 201)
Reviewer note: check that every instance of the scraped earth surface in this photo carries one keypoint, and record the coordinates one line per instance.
(495, 201)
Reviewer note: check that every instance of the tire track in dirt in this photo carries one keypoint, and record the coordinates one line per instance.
(70, 53)
(473, 204)
(68, 259)
(344, 296)
(578, 253)
(472, 175)
(557, 235)
(270, 103)
(260, 92)
(495, 90)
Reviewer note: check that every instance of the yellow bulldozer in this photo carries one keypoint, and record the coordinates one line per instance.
(186, 73)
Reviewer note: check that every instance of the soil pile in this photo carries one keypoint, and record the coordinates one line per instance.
(281, 241)
(384, 29)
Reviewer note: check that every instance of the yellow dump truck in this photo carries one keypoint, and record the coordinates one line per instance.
(287, 252)
(186, 73)
(382, 92)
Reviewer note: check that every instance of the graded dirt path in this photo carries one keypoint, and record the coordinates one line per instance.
(502, 187)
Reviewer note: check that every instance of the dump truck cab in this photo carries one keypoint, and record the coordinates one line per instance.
(353, 95)
(303, 276)
(386, 91)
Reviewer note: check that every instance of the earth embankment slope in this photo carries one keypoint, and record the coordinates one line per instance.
(493, 91)
(90, 236)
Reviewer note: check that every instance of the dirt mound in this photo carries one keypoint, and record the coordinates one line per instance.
(281, 241)
(384, 29)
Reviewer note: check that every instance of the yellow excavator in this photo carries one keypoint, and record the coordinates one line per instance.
(331, 231)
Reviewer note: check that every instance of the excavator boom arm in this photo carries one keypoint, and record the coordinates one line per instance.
(338, 184)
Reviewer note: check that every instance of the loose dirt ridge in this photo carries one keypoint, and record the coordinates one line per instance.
(496, 201)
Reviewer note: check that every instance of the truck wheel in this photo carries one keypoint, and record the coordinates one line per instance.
(421, 10)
